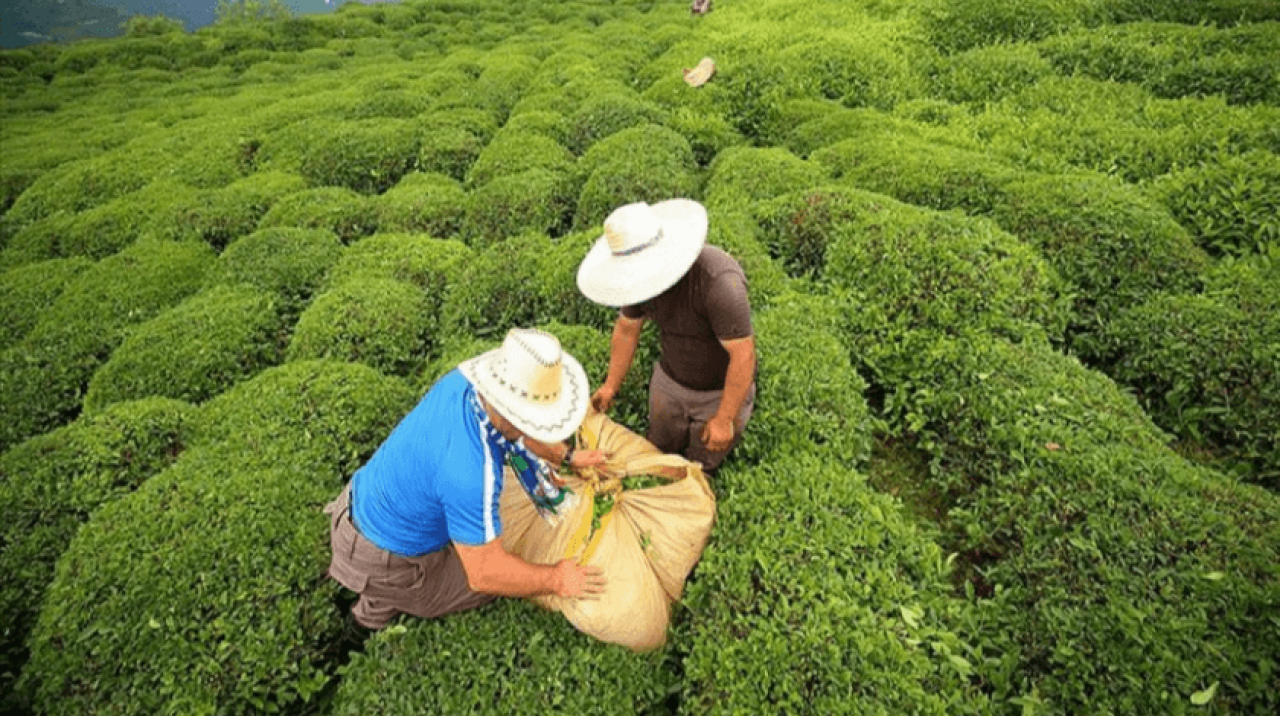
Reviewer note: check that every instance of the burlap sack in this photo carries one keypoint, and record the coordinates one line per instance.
(646, 544)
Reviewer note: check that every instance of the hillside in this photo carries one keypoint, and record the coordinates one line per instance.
(1015, 271)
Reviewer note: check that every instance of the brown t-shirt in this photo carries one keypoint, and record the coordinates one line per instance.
(707, 305)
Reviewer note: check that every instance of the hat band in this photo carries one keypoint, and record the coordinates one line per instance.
(641, 247)
(548, 398)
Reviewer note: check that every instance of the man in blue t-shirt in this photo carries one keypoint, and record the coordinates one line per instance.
(418, 531)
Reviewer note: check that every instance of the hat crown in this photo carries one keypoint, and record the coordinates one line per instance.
(631, 229)
(529, 367)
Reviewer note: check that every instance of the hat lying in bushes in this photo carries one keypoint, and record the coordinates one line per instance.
(698, 75)
(644, 251)
(533, 383)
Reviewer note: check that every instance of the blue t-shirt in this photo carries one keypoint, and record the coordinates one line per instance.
(432, 481)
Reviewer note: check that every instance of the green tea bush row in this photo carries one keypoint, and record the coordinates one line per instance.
(350, 215)
(535, 200)
(45, 375)
(288, 263)
(193, 351)
(1230, 205)
(380, 322)
(1207, 366)
(425, 203)
(510, 153)
(648, 163)
(1097, 555)
(988, 73)
(742, 175)
(958, 25)
(26, 292)
(49, 486)
(450, 142)
(607, 114)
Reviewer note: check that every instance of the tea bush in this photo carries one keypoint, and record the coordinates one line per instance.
(741, 175)
(431, 265)
(740, 235)
(368, 156)
(382, 323)
(605, 114)
(831, 125)
(82, 184)
(535, 200)
(553, 125)
(338, 209)
(1063, 491)
(221, 216)
(511, 153)
(26, 292)
(1229, 205)
(287, 263)
(193, 351)
(988, 74)
(1113, 244)
(44, 376)
(432, 204)
(50, 484)
(816, 595)
(503, 82)
(918, 171)
(518, 651)
(450, 142)
(647, 163)
(958, 25)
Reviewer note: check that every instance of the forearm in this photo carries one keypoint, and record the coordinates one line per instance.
(553, 453)
(622, 350)
(737, 384)
(504, 574)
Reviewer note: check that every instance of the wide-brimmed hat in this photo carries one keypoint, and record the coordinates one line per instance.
(644, 251)
(533, 383)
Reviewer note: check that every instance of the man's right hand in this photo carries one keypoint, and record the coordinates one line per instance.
(581, 582)
(602, 400)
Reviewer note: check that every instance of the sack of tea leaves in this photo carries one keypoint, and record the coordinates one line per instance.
(643, 518)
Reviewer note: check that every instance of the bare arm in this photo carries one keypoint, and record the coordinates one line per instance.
(719, 432)
(491, 569)
(622, 350)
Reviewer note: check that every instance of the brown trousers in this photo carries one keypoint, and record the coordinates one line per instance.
(677, 416)
(428, 586)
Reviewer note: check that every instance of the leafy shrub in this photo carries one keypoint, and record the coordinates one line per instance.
(552, 125)
(83, 184)
(222, 216)
(431, 204)
(817, 595)
(511, 153)
(606, 114)
(43, 378)
(526, 280)
(749, 174)
(344, 212)
(535, 200)
(741, 237)
(51, 483)
(836, 125)
(382, 323)
(867, 67)
(193, 351)
(527, 661)
(917, 171)
(957, 25)
(28, 291)
(1062, 491)
(503, 81)
(1230, 205)
(368, 156)
(986, 74)
(708, 134)
(288, 263)
(1116, 247)
(647, 163)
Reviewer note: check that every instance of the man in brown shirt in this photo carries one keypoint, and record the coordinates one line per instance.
(653, 263)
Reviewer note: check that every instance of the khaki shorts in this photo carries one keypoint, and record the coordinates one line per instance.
(429, 586)
(677, 416)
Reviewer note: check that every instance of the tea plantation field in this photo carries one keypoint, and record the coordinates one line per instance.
(1016, 278)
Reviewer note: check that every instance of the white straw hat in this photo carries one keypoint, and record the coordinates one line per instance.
(645, 249)
(534, 384)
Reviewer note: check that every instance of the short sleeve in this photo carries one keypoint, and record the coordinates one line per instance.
(728, 308)
(471, 507)
(635, 312)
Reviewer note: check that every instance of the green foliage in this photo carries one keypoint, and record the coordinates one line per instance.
(337, 209)
(1230, 205)
(742, 175)
(432, 204)
(605, 114)
(450, 142)
(1116, 247)
(368, 156)
(958, 25)
(532, 201)
(193, 351)
(83, 184)
(50, 484)
(221, 216)
(150, 26)
(1062, 491)
(513, 153)
(827, 126)
(26, 292)
(647, 163)
(288, 263)
(552, 125)
(917, 171)
(987, 74)
(44, 376)
(741, 237)
(817, 595)
(382, 323)
(516, 650)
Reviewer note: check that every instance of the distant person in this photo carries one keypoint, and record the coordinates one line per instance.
(417, 531)
(700, 7)
(652, 262)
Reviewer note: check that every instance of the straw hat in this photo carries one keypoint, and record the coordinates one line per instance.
(698, 75)
(534, 384)
(644, 251)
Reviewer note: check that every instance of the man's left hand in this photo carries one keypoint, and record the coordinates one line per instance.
(588, 458)
(717, 435)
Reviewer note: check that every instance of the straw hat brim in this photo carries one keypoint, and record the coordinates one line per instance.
(627, 280)
(545, 423)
